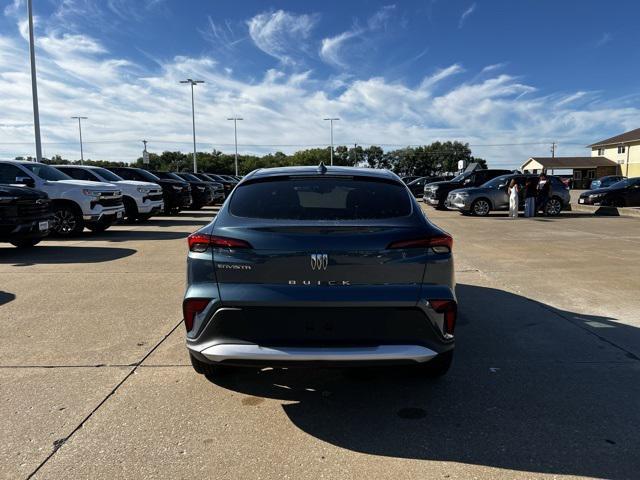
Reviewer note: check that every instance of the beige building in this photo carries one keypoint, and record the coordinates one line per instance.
(585, 169)
(624, 149)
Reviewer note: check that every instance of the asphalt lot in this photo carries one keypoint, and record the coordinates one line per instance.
(95, 381)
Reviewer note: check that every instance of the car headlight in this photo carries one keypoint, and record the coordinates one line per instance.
(144, 189)
(177, 188)
(596, 195)
(91, 193)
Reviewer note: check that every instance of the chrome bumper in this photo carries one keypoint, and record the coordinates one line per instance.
(243, 352)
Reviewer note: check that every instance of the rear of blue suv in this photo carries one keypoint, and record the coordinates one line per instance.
(320, 266)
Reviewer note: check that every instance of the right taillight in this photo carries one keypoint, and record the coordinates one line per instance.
(200, 242)
(438, 243)
(450, 310)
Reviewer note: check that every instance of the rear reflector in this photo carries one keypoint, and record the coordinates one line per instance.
(199, 242)
(190, 308)
(450, 310)
(439, 244)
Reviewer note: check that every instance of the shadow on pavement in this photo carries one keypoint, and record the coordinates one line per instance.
(127, 236)
(173, 222)
(6, 297)
(54, 255)
(529, 390)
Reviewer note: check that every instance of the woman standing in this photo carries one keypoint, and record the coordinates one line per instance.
(530, 194)
(513, 199)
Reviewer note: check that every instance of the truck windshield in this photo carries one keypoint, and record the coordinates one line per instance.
(107, 175)
(45, 172)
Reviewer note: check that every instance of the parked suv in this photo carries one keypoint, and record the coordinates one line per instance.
(25, 215)
(75, 203)
(320, 266)
(141, 199)
(435, 194)
(176, 194)
(494, 195)
(417, 185)
(227, 185)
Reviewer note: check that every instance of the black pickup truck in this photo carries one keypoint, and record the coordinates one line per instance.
(25, 215)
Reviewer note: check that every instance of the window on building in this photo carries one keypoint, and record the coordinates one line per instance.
(591, 174)
(621, 149)
(600, 152)
(577, 174)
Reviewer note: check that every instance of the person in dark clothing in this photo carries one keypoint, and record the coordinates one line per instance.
(530, 193)
(544, 191)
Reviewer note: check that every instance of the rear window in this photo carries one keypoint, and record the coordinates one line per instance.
(320, 199)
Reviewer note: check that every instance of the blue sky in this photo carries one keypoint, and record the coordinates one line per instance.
(410, 72)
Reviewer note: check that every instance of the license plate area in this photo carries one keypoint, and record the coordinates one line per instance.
(43, 226)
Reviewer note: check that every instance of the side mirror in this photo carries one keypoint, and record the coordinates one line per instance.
(27, 181)
(502, 185)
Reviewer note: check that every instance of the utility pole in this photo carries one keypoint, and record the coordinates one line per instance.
(34, 84)
(331, 120)
(553, 149)
(80, 130)
(193, 119)
(235, 136)
(145, 154)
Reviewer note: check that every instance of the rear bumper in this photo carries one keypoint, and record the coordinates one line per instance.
(245, 354)
(329, 335)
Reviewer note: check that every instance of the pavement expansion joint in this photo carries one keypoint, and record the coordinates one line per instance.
(60, 442)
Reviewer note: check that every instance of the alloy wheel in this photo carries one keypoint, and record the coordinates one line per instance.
(64, 221)
(553, 207)
(481, 208)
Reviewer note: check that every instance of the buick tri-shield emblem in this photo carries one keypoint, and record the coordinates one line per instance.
(319, 261)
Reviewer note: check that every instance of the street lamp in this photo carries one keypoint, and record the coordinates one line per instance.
(34, 84)
(331, 120)
(80, 130)
(193, 119)
(235, 136)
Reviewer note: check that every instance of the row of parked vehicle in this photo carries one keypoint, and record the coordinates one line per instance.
(480, 192)
(38, 199)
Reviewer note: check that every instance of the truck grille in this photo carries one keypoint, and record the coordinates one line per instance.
(109, 202)
(154, 197)
(33, 209)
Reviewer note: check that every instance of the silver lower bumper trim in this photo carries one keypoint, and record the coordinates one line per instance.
(416, 353)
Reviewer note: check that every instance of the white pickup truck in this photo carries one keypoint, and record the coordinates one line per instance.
(141, 200)
(75, 204)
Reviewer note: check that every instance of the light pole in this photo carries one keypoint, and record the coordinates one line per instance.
(80, 130)
(331, 120)
(235, 136)
(193, 119)
(34, 84)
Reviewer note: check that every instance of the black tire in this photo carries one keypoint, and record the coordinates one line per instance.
(67, 221)
(26, 242)
(99, 227)
(481, 207)
(438, 366)
(130, 209)
(553, 207)
(196, 206)
(207, 369)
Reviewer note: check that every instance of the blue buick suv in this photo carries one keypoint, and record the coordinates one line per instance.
(329, 266)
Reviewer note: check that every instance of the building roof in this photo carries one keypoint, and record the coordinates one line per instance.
(630, 136)
(572, 162)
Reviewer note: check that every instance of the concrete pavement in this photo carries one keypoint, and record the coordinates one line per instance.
(96, 382)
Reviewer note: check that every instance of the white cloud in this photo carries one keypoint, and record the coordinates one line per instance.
(331, 48)
(466, 14)
(281, 34)
(125, 103)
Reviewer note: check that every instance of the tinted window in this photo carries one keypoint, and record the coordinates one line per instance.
(190, 177)
(496, 182)
(80, 174)
(320, 199)
(8, 173)
(107, 175)
(46, 172)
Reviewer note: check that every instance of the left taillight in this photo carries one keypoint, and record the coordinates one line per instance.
(450, 310)
(199, 242)
(190, 308)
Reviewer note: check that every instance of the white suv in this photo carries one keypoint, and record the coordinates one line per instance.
(75, 203)
(141, 199)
